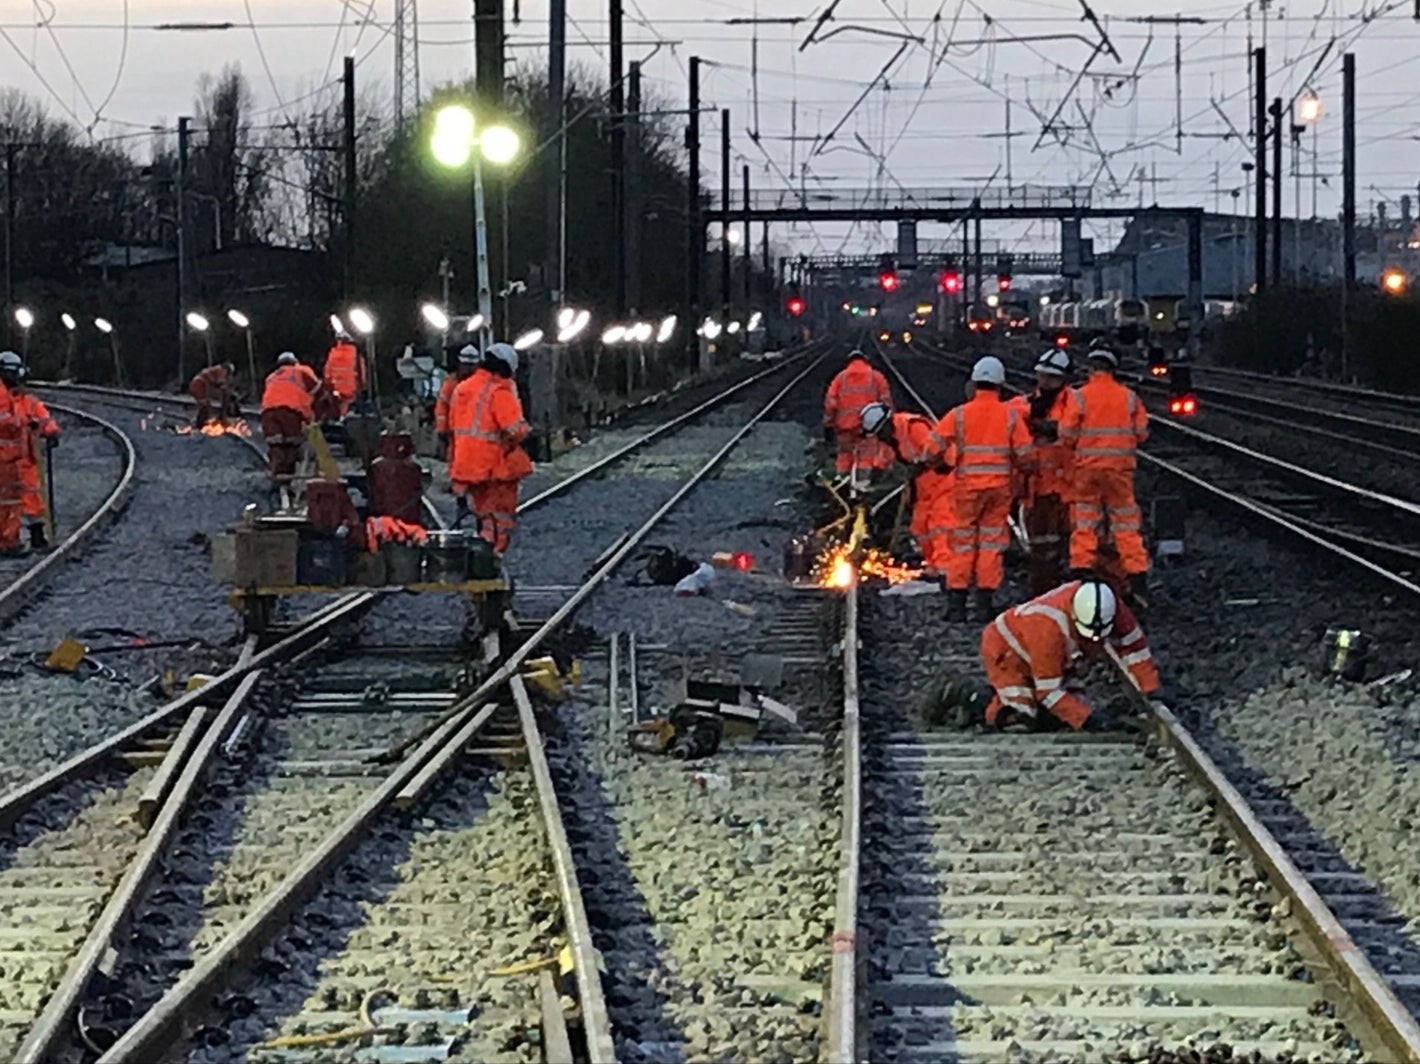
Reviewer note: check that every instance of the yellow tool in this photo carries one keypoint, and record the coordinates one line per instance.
(325, 461)
(543, 674)
(66, 657)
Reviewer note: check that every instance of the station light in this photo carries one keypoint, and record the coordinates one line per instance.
(68, 320)
(435, 316)
(363, 321)
(614, 334)
(197, 322)
(667, 329)
(24, 317)
(1393, 281)
(531, 338)
(571, 324)
(474, 324)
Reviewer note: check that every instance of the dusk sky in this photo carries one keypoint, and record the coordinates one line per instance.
(936, 117)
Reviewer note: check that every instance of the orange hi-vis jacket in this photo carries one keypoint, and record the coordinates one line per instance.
(1043, 635)
(856, 385)
(344, 373)
(1052, 460)
(211, 385)
(486, 419)
(986, 440)
(35, 420)
(13, 438)
(292, 387)
(1107, 426)
(445, 400)
(918, 444)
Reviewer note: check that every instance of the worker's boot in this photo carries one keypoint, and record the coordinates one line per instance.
(38, 540)
(985, 604)
(956, 606)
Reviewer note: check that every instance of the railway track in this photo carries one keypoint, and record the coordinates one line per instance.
(238, 850)
(22, 579)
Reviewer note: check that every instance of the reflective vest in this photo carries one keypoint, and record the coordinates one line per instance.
(487, 424)
(918, 444)
(1042, 633)
(1051, 459)
(987, 439)
(291, 387)
(34, 421)
(856, 385)
(211, 385)
(1108, 426)
(344, 374)
(442, 403)
(12, 428)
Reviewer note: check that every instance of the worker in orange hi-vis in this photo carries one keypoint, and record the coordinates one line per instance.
(1032, 653)
(988, 444)
(1104, 431)
(856, 385)
(344, 372)
(488, 461)
(1044, 490)
(468, 362)
(12, 444)
(915, 443)
(287, 407)
(214, 388)
(41, 432)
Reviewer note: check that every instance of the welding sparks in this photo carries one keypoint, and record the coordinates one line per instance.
(835, 568)
(236, 427)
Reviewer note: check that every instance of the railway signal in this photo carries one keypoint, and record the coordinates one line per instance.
(887, 274)
(951, 281)
(794, 303)
(1003, 274)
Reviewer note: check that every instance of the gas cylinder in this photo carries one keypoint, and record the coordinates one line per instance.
(396, 480)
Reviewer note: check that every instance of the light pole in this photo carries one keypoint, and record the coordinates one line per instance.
(198, 323)
(456, 141)
(25, 319)
(364, 323)
(106, 327)
(70, 325)
(1308, 112)
(242, 322)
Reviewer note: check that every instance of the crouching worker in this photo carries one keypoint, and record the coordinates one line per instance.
(1033, 652)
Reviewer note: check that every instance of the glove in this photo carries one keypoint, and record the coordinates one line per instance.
(828, 434)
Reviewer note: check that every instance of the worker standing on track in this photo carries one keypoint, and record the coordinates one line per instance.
(468, 362)
(12, 442)
(856, 385)
(1045, 493)
(287, 407)
(344, 372)
(988, 443)
(488, 461)
(1031, 653)
(38, 426)
(215, 391)
(1104, 431)
(915, 442)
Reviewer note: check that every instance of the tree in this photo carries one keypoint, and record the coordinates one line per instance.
(227, 171)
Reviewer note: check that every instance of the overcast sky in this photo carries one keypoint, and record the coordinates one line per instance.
(937, 117)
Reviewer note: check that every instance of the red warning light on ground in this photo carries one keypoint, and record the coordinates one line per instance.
(742, 561)
(1061, 340)
(1183, 405)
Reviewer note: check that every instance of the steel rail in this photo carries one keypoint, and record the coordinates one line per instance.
(1389, 1020)
(842, 1011)
(1392, 400)
(45, 1038)
(596, 1019)
(100, 391)
(161, 1026)
(22, 590)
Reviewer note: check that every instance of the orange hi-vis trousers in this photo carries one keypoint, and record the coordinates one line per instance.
(1098, 492)
(980, 533)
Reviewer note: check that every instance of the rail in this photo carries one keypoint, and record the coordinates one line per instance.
(163, 1025)
(842, 1011)
(22, 590)
(1391, 400)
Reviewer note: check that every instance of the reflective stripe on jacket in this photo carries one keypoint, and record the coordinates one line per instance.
(442, 403)
(292, 387)
(487, 423)
(344, 374)
(1107, 427)
(856, 385)
(1042, 633)
(987, 439)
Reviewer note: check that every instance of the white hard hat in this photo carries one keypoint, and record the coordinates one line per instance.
(287, 358)
(1093, 608)
(469, 355)
(1105, 355)
(856, 353)
(874, 416)
(506, 354)
(989, 370)
(1054, 361)
(10, 360)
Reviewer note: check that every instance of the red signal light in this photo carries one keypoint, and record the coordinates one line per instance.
(951, 282)
(1061, 340)
(1185, 405)
(1158, 370)
(1003, 282)
(742, 561)
(887, 281)
(795, 306)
